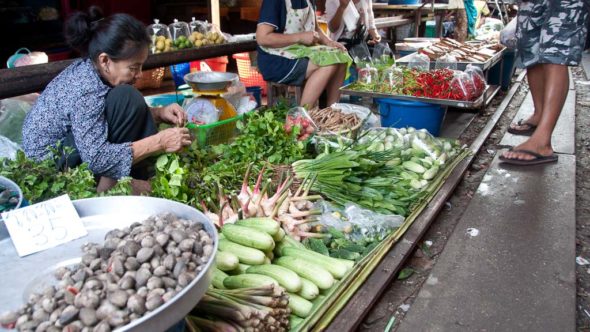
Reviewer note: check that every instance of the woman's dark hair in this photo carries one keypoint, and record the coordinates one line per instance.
(121, 36)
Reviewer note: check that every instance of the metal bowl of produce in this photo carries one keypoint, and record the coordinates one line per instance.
(9, 193)
(210, 81)
(109, 217)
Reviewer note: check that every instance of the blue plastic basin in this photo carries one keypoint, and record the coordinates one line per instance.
(400, 114)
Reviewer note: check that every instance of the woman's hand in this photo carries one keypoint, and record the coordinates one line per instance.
(174, 139)
(172, 114)
(336, 44)
(309, 38)
(375, 37)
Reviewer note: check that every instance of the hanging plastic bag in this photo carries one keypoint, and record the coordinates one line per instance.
(447, 61)
(462, 87)
(361, 55)
(478, 79)
(382, 55)
(297, 117)
(419, 61)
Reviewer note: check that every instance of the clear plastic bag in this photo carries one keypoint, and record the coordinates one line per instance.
(297, 117)
(357, 223)
(382, 55)
(180, 32)
(361, 55)
(161, 41)
(419, 62)
(197, 26)
(392, 76)
(462, 87)
(368, 75)
(201, 111)
(478, 78)
(447, 61)
(8, 148)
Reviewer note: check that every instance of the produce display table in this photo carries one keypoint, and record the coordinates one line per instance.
(418, 11)
(27, 79)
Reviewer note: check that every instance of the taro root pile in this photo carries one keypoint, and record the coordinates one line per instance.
(333, 120)
(136, 270)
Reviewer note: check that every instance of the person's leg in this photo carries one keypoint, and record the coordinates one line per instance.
(317, 80)
(460, 33)
(561, 43)
(335, 82)
(129, 119)
(554, 96)
(536, 79)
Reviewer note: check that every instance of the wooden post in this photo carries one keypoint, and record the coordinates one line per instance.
(215, 17)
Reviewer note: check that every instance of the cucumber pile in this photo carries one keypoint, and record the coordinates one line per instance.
(256, 253)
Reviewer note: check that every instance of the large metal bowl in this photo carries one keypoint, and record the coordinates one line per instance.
(7, 183)
(210, 81)
(21, 276)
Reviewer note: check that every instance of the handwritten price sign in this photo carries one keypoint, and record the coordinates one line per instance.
(44, 225)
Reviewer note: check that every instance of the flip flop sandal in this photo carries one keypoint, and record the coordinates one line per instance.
(539, 159)
(523, 132)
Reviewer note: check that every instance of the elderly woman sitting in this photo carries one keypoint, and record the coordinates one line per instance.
(293, 50)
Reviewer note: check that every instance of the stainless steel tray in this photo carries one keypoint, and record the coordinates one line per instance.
(210, 81)
(21, 276)
(460, 65)
(447, 102)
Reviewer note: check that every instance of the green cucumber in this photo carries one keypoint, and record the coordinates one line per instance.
(294, 321)
(241, 269)
(248, 281)
(245, 254)
(218, 277)
(414, 167)
(267, 225)
(299, 306)
(337, 267)
(305, 269)
(288, 279)
(309, 290)
(249, 237)
(279, 235)
(226, 261)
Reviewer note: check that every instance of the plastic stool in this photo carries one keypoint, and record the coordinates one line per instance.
(276, 90)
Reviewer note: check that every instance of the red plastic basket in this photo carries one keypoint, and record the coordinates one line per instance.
(249, 75)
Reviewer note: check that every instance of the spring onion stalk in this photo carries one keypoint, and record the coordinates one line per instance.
(245, 309)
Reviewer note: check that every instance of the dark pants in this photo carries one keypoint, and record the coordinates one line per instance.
(129, 119)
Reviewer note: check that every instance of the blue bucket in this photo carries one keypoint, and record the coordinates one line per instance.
(178, 71)
(164, 100)
(400, 114)
(256, 91)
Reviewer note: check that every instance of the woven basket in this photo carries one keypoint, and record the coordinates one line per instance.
(151, 79)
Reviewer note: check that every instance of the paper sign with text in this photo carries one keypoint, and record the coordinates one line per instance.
(44, 225)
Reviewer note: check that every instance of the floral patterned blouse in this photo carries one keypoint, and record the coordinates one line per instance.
(74, 103)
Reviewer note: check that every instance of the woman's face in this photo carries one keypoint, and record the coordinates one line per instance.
(118, 72)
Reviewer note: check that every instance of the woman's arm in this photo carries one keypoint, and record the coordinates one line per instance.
(334, 12)
(169, 140)
(265, 36)
(325, 40)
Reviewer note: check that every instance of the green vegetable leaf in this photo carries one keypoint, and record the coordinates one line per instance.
(405, 273)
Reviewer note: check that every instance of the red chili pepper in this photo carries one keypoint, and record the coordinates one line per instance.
(72, 290)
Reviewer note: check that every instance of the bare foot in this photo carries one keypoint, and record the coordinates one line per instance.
(523, 124)
(530, 146)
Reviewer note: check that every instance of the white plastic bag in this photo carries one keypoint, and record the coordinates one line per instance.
(508, 35)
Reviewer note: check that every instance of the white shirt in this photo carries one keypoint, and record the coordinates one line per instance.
(364, 8)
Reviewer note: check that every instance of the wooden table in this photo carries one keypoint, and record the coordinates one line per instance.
(418, 10)
(27, 79)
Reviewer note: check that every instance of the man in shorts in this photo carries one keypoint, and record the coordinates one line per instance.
(551, 37)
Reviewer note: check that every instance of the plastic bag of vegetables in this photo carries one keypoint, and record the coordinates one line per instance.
(297, 117)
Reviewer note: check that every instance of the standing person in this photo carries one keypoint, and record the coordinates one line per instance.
(365, 24)
(288, 53)
(551, 36)
(457, 8)
(92, 108)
